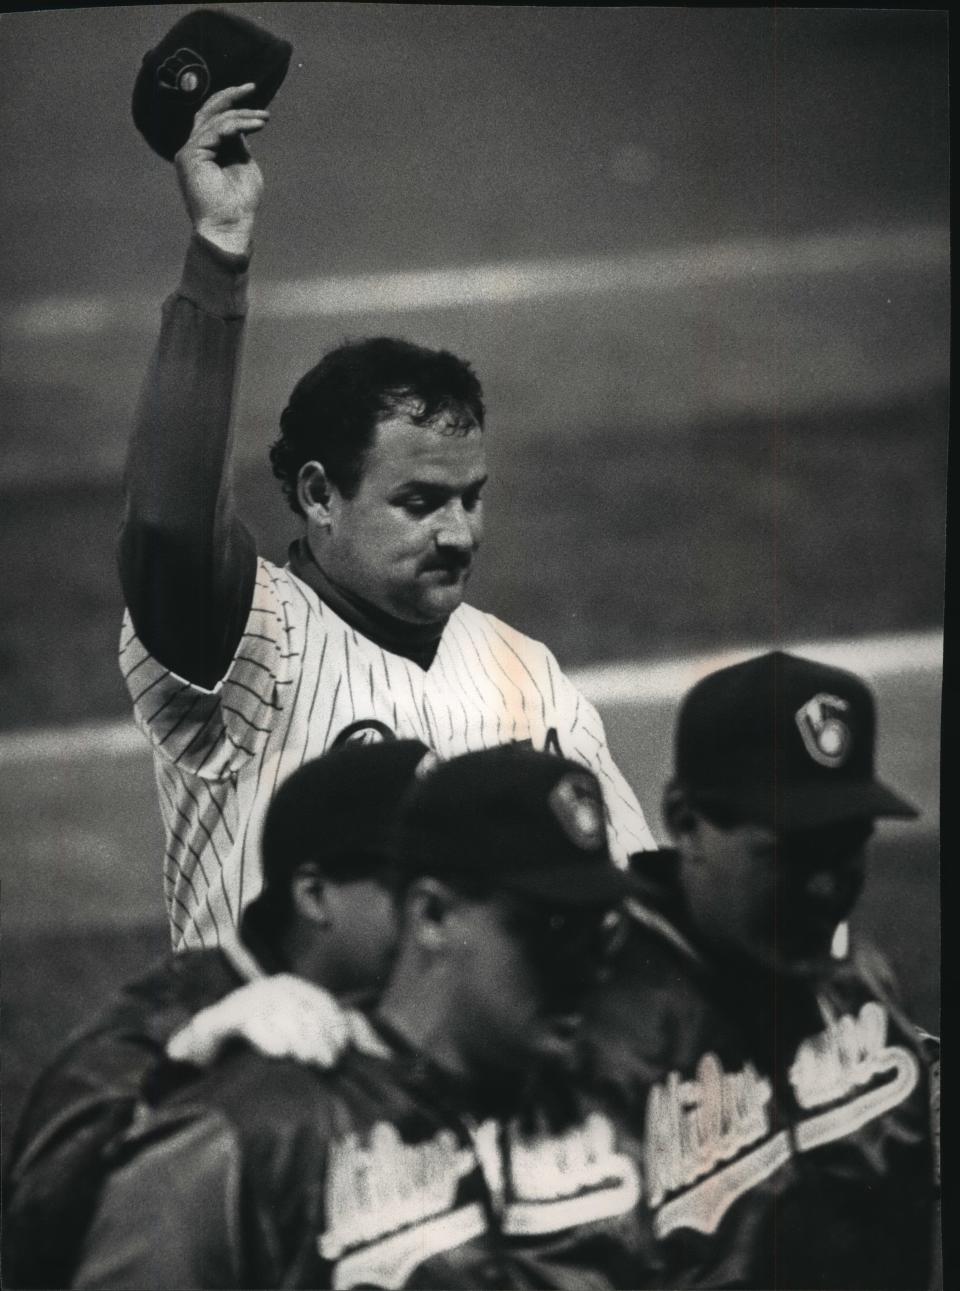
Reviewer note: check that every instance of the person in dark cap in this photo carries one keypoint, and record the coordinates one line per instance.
(408, 1167)
(521, 836)
(779, 1089)
(325, 917)
(776, 753)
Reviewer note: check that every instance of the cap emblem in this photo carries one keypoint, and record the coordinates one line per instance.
(576, 804)
(366, 731)
(826, 735)
(186, 72)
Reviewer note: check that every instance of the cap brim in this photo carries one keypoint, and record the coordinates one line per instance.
(598, 883)
(570, 885)
(807, 806)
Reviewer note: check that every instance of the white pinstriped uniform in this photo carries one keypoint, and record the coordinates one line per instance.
(300, 680)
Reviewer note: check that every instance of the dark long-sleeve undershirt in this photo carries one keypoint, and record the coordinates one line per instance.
(187, 563)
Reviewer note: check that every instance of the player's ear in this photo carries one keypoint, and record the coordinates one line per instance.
(313, 493)
(429, 908)
(308, 893)
(679, 815)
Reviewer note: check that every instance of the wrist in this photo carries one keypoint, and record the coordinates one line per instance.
(233, 239)
(215, 279)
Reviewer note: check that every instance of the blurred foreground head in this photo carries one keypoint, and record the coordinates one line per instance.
(772, 801)
(510, 909)
(327, 905)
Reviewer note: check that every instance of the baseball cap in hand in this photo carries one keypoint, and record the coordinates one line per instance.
(782, 741)
(521, 820)
(206, 51)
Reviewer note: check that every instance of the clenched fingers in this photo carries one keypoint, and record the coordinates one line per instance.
(220, 101)
(226, 125)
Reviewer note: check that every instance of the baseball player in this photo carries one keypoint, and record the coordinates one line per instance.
(320, 920)
(782, 1095)
(406, 1167)
(239, 669)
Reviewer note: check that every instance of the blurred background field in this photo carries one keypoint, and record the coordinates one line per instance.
(751, 441)
(741, 439)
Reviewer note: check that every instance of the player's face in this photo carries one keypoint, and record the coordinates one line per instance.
(774, 897)
(362, 936)
(407, 539)
(524, 981)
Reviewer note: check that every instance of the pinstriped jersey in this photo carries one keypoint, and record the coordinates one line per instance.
(302, 680)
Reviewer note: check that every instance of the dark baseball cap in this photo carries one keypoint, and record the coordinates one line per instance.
(338, 810)
(782, 741)
(207, 51)
(521, 820)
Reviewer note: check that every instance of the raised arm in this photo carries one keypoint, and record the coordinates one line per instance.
(187, 564)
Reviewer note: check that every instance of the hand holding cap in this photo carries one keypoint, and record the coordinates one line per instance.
(205, 52)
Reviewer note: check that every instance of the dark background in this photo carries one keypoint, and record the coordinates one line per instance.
(749, 451)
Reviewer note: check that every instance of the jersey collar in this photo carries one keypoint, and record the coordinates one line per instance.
(417, 642)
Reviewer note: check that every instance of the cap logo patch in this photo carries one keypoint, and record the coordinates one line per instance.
(366, 731)
(186, 72)
(826, 735)
(575, 801)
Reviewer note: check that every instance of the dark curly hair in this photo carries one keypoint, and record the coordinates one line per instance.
(335, 407)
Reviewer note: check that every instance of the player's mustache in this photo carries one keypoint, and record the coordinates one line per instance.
(451, 562)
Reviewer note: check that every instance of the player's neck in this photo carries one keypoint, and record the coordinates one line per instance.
(417, 642)
(415, 1022)
(417, 1028)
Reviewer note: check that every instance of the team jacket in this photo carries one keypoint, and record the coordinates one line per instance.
(84, 1102)
(267, 1173)
(785, 1127)
(289, 670)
